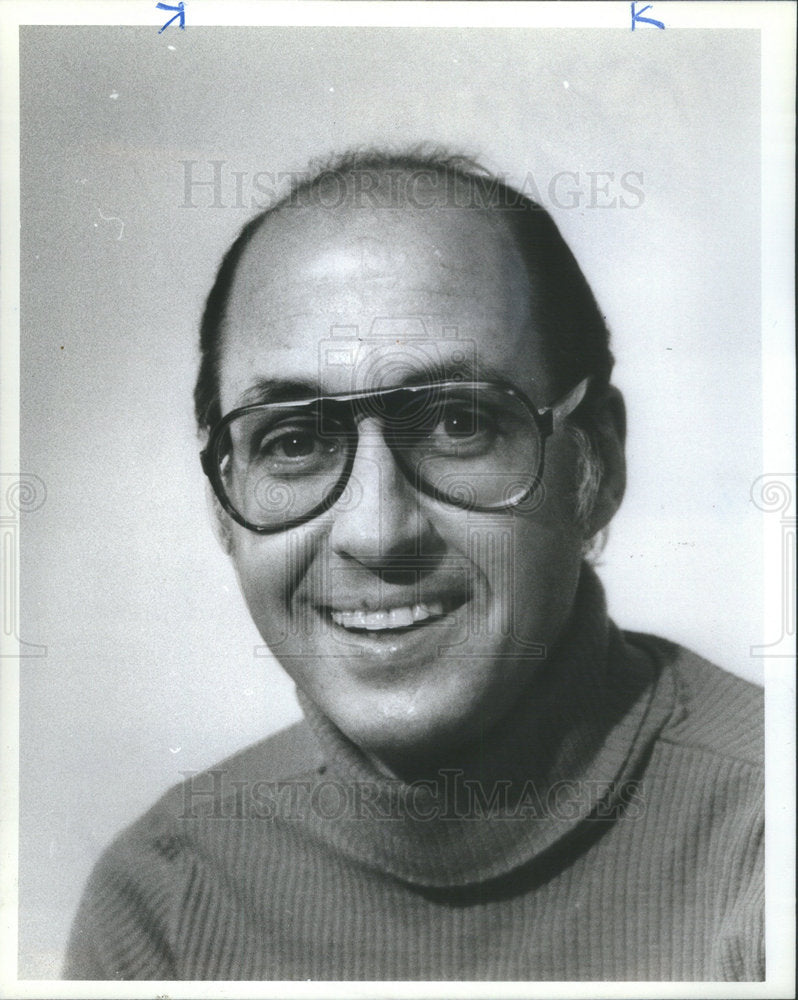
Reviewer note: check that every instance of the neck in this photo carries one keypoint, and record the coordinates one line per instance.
(572, 739)
(530, 740)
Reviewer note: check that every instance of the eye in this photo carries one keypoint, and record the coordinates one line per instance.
(294, 448)
(460, 421)
(463, 429)
(293, 444)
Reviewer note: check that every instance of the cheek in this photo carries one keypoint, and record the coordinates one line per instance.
(546, 558)
(266, 567)
(548, 539)
(270, 569)
(544, 524)
(531, 559)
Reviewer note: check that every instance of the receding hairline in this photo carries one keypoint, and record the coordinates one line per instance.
(308, 224)
(394, 189)
(395, 185)
(382, 180)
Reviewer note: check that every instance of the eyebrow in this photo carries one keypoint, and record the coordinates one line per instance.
(473, 371)
(272, 390)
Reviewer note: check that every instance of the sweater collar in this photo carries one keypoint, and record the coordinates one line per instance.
(563, 759)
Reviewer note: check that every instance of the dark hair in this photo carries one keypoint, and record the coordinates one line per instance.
(576, 337)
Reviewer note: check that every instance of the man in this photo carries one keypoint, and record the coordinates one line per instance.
(412, 442)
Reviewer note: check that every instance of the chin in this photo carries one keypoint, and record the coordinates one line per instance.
(406, 733)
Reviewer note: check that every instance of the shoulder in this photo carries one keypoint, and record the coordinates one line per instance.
(286, 755)
(188, 813)
(714, 710)
(130, 916)
(704, 787)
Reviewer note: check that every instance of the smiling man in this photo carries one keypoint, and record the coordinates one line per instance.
(412, 443)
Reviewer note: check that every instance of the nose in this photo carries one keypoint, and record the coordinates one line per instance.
(380, 523)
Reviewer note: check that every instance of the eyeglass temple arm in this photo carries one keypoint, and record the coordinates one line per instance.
(565, 406)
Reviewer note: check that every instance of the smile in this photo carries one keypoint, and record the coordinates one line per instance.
(388, 618)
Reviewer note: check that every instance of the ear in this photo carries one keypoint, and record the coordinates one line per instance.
(611, 441)
(220, 520)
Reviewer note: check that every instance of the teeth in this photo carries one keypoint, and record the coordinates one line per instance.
(393, 618)
(422, 611)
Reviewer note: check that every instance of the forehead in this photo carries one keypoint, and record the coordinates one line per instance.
(356, 298)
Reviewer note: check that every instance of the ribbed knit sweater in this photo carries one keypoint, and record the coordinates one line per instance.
(624, 842)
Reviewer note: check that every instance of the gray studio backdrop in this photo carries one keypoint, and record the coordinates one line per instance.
(645, 146)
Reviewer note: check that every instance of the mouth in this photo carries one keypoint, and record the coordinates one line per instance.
(395, 619)
(385, 630)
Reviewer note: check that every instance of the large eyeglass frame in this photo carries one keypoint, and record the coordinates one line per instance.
(547, 419)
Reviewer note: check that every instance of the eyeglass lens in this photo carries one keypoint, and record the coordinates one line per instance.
(473, 446)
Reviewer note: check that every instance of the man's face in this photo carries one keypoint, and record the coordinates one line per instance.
(358, 299)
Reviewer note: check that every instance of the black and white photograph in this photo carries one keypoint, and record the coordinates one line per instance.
(398, 499)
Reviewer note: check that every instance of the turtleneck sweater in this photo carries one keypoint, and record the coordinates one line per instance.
(609, 829)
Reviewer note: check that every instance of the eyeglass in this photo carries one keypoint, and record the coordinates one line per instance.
(475, 445)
